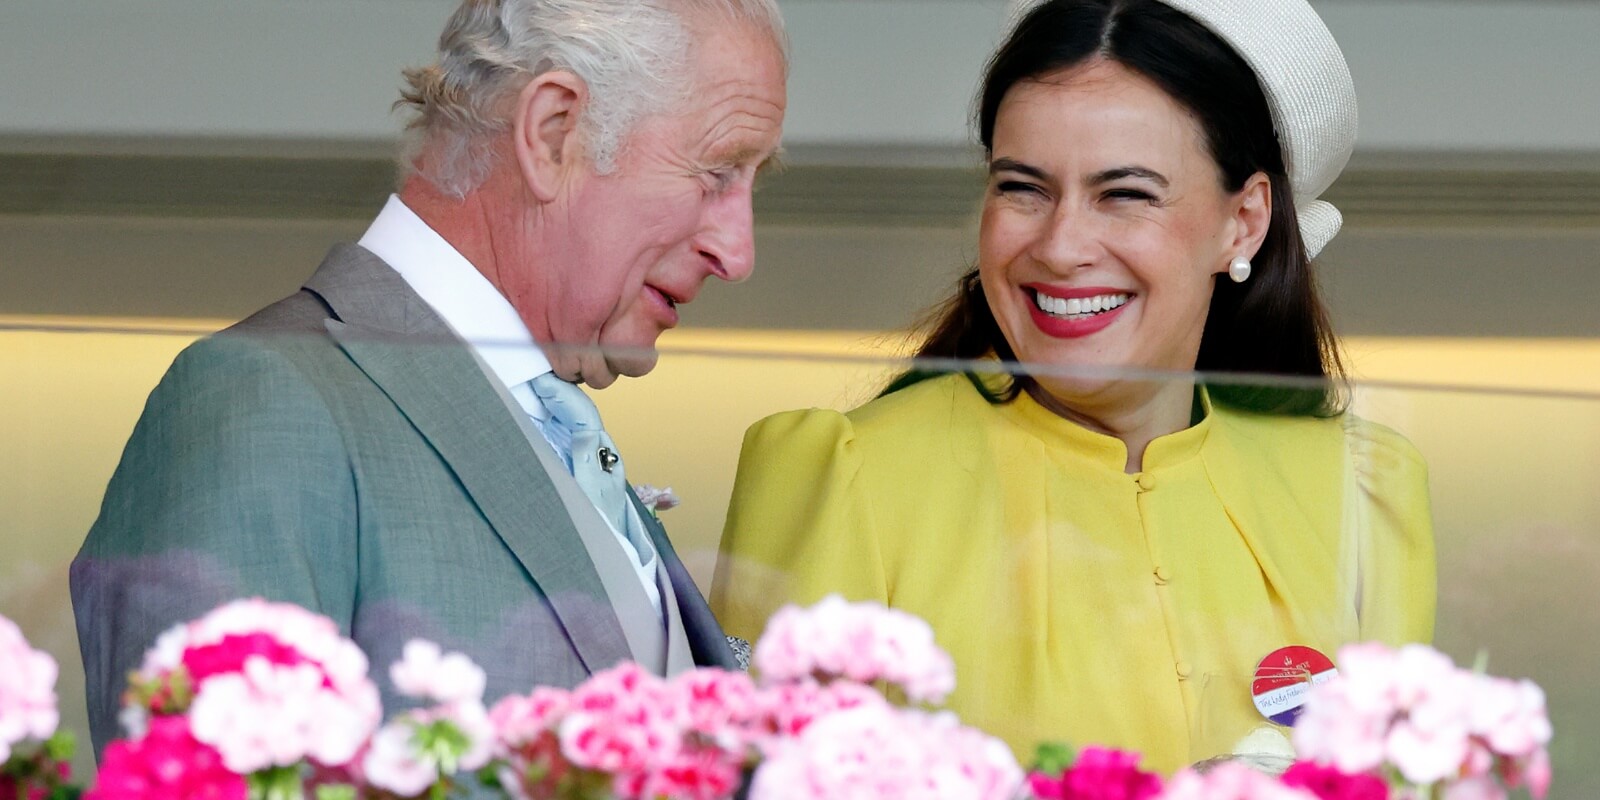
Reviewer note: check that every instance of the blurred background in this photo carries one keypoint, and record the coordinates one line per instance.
(168, 166)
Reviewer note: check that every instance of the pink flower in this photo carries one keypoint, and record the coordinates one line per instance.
(787, 710)
(1536, 774)
(720, 706)
(696, 773)
(1230, 781)
(1480, 787)
(1428, 755)
(1329, 783)
(27, 691)
(520, 720)
(862, 642)
(657, 500)
(426, 672)
(168, 762)
(1510, 715)
(1098, 774)
(877, 751)
(273, 684)
(619, 721)
(1415, 711)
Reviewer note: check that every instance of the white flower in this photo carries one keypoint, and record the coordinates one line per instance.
(393, 763)
(427, 673)
(407, 755)
(272, 715)
(27, 690)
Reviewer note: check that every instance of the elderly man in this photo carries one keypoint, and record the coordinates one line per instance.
(389, 446)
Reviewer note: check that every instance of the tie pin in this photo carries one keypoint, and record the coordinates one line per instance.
(608, 459)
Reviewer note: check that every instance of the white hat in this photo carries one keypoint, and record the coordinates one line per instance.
(1308, 87)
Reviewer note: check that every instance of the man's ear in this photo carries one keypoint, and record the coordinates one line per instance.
(1252, 215)
(545, 130)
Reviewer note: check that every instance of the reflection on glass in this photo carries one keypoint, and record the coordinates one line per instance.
(1227, 725)
(1509, 476)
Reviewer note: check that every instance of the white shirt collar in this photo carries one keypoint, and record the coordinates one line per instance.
(457, 291)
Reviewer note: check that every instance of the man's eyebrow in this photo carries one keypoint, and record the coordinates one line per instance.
(1118, 173)
(1013, 165)
(772, 164)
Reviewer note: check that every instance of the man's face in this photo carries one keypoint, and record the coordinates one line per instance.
(633, 246)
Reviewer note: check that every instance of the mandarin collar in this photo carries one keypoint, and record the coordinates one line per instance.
(1108, 451)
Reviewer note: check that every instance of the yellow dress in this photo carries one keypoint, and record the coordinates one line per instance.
(1081, 603)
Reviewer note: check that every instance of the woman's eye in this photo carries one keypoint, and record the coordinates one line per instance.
(1130, 194)
(1016, 187)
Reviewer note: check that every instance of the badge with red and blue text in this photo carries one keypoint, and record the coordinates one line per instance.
(1285, 677)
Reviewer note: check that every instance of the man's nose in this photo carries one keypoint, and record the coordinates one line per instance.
(728, 240)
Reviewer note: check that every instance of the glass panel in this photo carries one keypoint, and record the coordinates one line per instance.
(1001, 532)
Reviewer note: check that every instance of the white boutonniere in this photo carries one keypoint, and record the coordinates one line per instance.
(656, 500)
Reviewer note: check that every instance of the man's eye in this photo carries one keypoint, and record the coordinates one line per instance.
(722, 178)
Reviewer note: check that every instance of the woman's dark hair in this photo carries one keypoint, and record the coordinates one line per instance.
(1274, 323)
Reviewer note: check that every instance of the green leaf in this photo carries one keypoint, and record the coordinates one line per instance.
(336, 791)
(1053, 758)
(489, 777)
(61, 746)
(277, 783)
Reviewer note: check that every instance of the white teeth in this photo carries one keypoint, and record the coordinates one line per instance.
(1078, 306)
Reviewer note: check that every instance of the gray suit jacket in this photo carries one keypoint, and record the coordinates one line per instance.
(343, 450)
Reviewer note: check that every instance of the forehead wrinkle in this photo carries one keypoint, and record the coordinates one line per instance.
(746, 133)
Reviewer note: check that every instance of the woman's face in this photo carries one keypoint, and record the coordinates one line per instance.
(1104, 225)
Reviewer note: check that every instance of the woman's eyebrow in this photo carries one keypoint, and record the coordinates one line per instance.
(1013, 165)
(1118, 173)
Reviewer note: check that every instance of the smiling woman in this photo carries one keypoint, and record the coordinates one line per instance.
(1101, 541)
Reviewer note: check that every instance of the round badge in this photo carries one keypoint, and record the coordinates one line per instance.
(1285, 677)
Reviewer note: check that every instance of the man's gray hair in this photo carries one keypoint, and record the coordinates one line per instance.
(631, 54)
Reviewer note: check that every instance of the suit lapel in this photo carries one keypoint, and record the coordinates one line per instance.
(429, 374)
(706, 638)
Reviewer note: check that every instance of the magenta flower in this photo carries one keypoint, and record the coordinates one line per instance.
(1329, 783)
(230, 653)
(1098, 773)
(168, 762)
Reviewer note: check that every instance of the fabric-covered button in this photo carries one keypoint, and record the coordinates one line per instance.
(1146, 481)
(1163, 576)
(1184, 670)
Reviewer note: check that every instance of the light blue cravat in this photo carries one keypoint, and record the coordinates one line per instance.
(593, 458)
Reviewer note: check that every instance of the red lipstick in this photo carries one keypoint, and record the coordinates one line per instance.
(1061, 328)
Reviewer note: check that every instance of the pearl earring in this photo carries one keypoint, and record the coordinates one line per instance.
(1239, 269)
